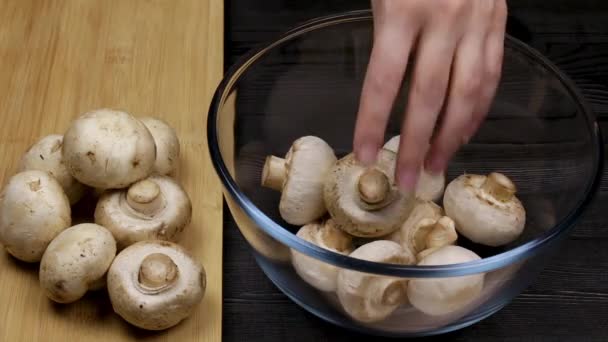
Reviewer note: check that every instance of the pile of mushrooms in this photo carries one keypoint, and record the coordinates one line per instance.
(130, 247)
(352, 209)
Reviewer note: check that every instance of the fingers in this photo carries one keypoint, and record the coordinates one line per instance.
(494, 51)
(466, 82)
(425, 99)
(474, 79)
(383, 79)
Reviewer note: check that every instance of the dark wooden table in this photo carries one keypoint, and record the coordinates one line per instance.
(567, 302)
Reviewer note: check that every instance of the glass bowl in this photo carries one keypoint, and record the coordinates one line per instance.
(539, 132)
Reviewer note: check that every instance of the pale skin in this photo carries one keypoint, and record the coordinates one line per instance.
(457, 46)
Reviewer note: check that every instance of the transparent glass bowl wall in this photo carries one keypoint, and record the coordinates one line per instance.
(308, 82)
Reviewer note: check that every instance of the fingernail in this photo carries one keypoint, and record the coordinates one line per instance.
(367, 154)
(407, 180)
(435, 165)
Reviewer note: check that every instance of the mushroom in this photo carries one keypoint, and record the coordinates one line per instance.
(154, 284)
(363, 201)
(156, 208)
(108, 149)
(321, 275)
(430, 187)
(300, 178)
(76, 261)
(372, 298)
(45, 155)
(441, 296)
(422, 210)
(485, 208)
(167, 145)
(442, 233)
(33, 210)
(428, 233)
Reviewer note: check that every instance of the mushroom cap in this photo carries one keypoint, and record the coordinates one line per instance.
(321, 275)
(430, 187)
(108, 149)
(343, 197)
(167, 145)
(131, 216)
(45, 155)
(479, 214)
(372, 298)
(441, 296)
(307, 163)
(33, 210)
(76, 261)
(154, 285)
(422, 210)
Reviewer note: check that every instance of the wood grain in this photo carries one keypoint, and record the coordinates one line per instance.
(158, 57)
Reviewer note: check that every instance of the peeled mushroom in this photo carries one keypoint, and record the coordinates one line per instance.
(156, 208)
(76, 261)
(167, 145)
(154, 285)
(372, 298)
(33, 210)
(430, 187)
(442, 296)
(363, 201)
(299, 177)
(108, 149)
(321, 275)
(485, 208)
(45, 155)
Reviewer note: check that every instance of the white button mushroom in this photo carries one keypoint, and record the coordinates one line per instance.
(429, 233)
(442, 296)
(300, 178)
(45, 155)
(108, 149)
(167, 145)
(154, 285)
(442, 233)
(33, 210)
(485, 209)
(156, 208)
(76, 261)
(363, 201)
(321, 275)
(430, 187)
(372, 298)
(422, 210)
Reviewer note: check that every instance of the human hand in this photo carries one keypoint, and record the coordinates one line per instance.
(458, 60)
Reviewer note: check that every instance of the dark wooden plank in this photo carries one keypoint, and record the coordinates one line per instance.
(569, 299)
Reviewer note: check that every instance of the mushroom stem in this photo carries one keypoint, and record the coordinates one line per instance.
(274, 173)
(424, 227)
(157, 273)
(442, 234)
(499, 186)
(374, 189)
(145, 197)
(392, 291)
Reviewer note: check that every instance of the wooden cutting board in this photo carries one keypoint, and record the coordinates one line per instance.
(61, 58)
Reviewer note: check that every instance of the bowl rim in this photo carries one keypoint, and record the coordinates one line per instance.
(284, 236)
